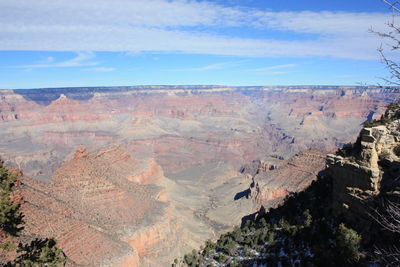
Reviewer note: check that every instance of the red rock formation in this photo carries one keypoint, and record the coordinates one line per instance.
(219, 124)
(292, 175)
(112, 199)
(151, 173)
(97, 213)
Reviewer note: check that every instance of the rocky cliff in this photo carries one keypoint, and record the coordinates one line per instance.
(348, 216)
(369, 169)
(102, 210)
(270, 186)
(160, 169)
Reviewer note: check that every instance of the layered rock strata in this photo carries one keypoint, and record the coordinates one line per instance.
(269, 187)
(368, 169)
(178, 180)
(41, 127)
(102, 210)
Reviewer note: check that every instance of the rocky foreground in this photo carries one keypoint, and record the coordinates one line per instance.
(162, 169)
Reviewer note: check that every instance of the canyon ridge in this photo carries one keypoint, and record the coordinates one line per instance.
(128, 176)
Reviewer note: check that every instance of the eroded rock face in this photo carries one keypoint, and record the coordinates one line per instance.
(269, 187)
(98, 214)
(368, 169)
(178, 179)
(40, 128)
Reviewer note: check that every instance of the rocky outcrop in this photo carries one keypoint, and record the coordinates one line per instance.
(293, 175)
(153, 241)
(127, 211)
(99, 213)
(367, 169)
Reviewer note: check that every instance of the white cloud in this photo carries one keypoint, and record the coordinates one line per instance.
(327, 23)
(174, 26)
(81, 59)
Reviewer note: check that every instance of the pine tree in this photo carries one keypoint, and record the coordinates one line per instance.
(40, 252)
(348, 244)
(11, 217)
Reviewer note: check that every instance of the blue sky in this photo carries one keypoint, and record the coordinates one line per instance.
(60, 43)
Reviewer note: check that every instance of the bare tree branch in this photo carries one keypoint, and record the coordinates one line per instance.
(389, 256)
(390, 220)
(393, 38)
(392, 4)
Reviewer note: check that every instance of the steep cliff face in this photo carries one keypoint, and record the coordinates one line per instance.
(271, 185)
(369, 168)
(98, 212)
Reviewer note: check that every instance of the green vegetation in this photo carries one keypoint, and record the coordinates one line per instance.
(38, 252)
(10, 215)
(301, 231)
(308, 229)
(348, 244)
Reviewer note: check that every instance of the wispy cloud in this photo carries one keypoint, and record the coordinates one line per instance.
(175, 26)
(215, 66)
(82, 59)
(270, 68)
(101, 69)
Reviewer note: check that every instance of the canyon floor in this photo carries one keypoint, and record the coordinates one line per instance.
(146, 174)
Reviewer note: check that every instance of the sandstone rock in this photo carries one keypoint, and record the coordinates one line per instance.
(198, 136)
(80, 153)
(41, 127)
(96, 211)
(372, 170)
(293, 175)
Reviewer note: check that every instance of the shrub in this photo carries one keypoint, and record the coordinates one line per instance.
(348, 244)
(40, 252)
(11, 217)
(271, 238)
(307, 218)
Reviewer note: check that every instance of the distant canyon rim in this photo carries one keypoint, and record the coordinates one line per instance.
(148, 173)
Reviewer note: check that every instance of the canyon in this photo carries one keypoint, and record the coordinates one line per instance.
(147, 173)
